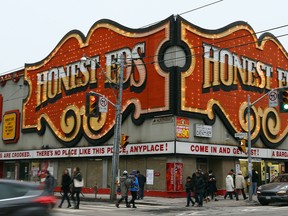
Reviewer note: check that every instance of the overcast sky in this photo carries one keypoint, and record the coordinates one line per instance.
(30, 29)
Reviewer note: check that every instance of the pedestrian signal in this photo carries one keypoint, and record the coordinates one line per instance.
(124, 140)
(92, 108)
(283, 98)
(242, 146)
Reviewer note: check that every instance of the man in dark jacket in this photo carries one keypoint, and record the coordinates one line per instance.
(65, 187)
(49, 183)
(200, 187)
(141, 181)
(212, 189)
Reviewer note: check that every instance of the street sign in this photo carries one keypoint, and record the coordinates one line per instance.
(103, 104)
(273, 99)
(241, 135)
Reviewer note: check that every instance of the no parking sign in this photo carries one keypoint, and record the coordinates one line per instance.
(273, 99)
(103, 104)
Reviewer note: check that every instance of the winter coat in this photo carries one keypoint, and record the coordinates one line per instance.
(200, 184)
(240, 182)
(123, 187)
(141, 180)
(229, 183)
(135, 185)
(77, 176)
(211, 184)
(65, 183)
(189, 187)
(49, 184)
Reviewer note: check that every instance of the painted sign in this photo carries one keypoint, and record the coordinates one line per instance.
(1, 107)
(96, 151)
(174, 177)
(11, 126)
(227, 65)
(216, 72)
(182, 127)
(59, 82)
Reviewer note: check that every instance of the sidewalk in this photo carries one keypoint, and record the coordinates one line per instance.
(171, 201)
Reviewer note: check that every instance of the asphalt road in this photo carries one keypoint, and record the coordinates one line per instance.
(108, 209)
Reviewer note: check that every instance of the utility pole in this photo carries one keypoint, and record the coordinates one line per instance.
(249, 137)
(117, 132)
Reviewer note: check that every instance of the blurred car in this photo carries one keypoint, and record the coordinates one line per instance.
(275, 191)
(24, 198)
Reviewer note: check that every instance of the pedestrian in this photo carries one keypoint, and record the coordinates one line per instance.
(49, 183)
(189, 189)
(255, 178)
(200, 187)
(65, 188)
(212, 188)
(77, 184)
(141, 181)
(133, 188)
(230, 186)
(124, 189)
(240, 185)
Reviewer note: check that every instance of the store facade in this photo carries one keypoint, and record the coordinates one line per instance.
(184, 99)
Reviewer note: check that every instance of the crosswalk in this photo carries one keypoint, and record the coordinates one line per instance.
(107, 207)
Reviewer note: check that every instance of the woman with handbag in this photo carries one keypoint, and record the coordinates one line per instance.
(77, 184)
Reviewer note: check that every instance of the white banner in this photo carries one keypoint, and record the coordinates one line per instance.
(95, 151)
(146, 149)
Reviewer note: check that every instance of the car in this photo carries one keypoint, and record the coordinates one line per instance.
(24, 198)
(275, 191)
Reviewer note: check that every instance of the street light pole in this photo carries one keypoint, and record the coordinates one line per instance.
(117, 127)
(249, 136)
(117, 132)
(249, 150)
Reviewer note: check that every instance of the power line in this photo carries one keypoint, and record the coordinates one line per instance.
(217, 42)
(207, 5)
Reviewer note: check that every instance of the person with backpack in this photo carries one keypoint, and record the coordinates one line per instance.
(49, 183)
(134, 188)
(65, 187)
(142, 181)
(124, 186)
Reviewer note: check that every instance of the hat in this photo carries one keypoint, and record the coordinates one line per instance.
(134, 172)
(125, 172)
(230, 173)
(240, 172)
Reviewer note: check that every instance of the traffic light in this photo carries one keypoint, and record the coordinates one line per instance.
(124, 140)
(283, 98)
(92, 108)
(242, 146)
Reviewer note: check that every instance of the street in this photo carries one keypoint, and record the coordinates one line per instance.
(222, 207)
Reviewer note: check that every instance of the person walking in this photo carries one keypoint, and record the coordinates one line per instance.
(255, 178)
(134, 188)
(230, 186)
(49, 183)
(77, 184)
(200, 187)
(124, 189)
(142, 181)
(189, 189)
(65, 187)
(211, 188)
(240, 185)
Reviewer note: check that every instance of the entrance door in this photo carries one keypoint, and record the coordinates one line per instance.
(24, 171)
